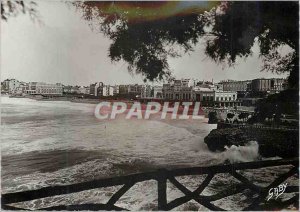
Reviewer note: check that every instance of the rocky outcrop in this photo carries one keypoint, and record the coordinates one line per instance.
(282, 143)
(217, 139)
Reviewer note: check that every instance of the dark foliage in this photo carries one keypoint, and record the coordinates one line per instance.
(230, 115)
(13, 8)
(243, 116)
(212, 117)
(230, 32)
(273, 106)
(144, 44)
(273, 24)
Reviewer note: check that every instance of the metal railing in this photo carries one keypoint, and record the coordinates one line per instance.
(161, 177)
(256, 126)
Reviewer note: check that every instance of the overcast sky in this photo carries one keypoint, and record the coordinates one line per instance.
(64, 49)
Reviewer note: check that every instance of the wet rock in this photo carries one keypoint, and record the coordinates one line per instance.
(272, 142)
(217, 139)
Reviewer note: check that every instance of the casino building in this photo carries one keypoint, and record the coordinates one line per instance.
(43, 88)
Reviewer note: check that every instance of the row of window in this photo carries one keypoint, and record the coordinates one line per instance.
(204, 98)
(225, 98)
(185, 96)
(208, 98)
(43, 91)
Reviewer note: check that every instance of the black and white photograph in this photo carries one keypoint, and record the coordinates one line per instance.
(149, 105)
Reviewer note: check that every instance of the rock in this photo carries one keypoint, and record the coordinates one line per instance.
(217, 139)
(272, 142)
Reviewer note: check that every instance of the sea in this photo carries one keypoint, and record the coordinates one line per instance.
(46, 143)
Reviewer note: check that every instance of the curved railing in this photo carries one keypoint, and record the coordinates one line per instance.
(164, 175)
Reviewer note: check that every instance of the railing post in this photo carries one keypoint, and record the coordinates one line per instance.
(162, 190)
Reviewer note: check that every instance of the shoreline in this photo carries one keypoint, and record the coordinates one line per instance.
(71, 99)
(202, 110)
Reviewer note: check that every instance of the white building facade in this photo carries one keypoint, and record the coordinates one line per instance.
(180, 90)
(108, 90)
(146, 91)
(44, 88)
(158, 92)
(226, 99)
(116, 90)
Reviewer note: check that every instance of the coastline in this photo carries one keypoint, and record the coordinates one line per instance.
(87, 165)
(62, 98)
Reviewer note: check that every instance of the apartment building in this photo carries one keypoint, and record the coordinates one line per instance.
(273, 85)
(96, 89)
(107, 90)
(232, 85)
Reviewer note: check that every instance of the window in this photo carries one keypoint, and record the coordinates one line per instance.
(217, 99)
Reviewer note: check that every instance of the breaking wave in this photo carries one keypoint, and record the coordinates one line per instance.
(246, 153)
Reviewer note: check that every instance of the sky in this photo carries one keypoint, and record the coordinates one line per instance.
(63, 48)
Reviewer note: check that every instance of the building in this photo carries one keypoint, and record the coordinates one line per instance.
(116, 90)
(23, 87)
(3, 88)
(75, 89)
(67, 88)
(84, 89)
(226, 99)
(107, 90)
(215, 98)
(218, 86)
(268, 85)
(146, 91)
(168, 91)
(178, 90)
(204, 95)
(188, 82)
(44, 88)
(130, 91)
(96, 89)
(123, 89)
(10, 85)
(158, 92)
(205, 84)
(232, 85)
(135, 90)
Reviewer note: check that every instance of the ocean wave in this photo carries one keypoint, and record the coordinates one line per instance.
(246, 153)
